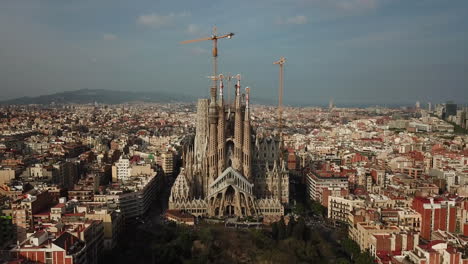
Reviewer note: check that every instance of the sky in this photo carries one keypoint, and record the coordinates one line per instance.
(354, 51)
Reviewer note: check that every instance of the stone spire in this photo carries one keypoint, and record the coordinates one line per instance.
(247, 138)
(221, 130)
(189, 163)
(237, 162)
(213, 138)
(202, 131)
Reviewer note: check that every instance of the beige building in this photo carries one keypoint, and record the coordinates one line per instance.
(382, 201)
(112, 221)
(6, 175)
(362, 232)
(24, 209)
(133, 197)
(409, 219)
(167, 162)
(341, 208)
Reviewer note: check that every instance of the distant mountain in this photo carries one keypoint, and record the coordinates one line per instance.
(102, 96)
(87, 96)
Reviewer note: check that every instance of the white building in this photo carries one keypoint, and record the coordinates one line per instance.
(121, 171)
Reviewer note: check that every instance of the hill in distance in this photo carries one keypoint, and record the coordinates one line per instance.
(86, 96)
(102, 96)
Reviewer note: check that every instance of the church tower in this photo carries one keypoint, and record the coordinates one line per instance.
(221, 131)
(213, 142)
(225, 174)
(237, 164)
(247, 148)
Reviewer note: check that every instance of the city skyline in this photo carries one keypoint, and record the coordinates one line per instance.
(356, 52)
(300, 131)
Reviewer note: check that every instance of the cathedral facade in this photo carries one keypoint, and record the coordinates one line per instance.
(227, 169)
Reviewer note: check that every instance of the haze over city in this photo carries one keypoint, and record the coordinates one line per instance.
(261, 131)
(355, 51)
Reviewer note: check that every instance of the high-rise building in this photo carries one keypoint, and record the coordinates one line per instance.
(436, 214)
(121, 170)
(320, 188)
(227, 169)
(463, 117)
(112, 220)
(23, 211)
(450, 109)
(167, 162)
(66, 174)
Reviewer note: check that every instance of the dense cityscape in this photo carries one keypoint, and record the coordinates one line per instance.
(74, 177)
(316, 131)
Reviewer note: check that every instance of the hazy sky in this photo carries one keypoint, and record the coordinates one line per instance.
(355, 51)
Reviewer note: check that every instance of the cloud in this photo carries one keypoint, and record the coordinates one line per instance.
(354, 4)
(198, 51)
(298, 20)
(418, 30)
(344, 5)
(295, 20)
(193, 29)
(376, 38)
(109, 36)
(155, 20)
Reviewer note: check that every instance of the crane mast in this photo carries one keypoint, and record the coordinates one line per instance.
(281, 63)
(213, 38)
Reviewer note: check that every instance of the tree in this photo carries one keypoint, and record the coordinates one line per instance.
(299, 229)
(342, 261)
(207, 235)
(289, 228)
(281, 229)
(166, 253)
(259, 239)
(317, 208)
(365, 258)
(299, 209)
(274, 230)
(184, 243)
(351, 248)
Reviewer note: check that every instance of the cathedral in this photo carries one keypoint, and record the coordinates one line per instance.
(228, 170)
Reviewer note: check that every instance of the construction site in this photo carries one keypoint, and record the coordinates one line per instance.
(230, 170)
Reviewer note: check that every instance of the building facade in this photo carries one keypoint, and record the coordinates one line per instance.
(320, 188)
(436, 214)
(228, 169)
(341, 208)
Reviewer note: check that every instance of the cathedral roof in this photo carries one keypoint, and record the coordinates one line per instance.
(230, 177)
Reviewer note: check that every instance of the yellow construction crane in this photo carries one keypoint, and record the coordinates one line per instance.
(214, 38)
(281, 63)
